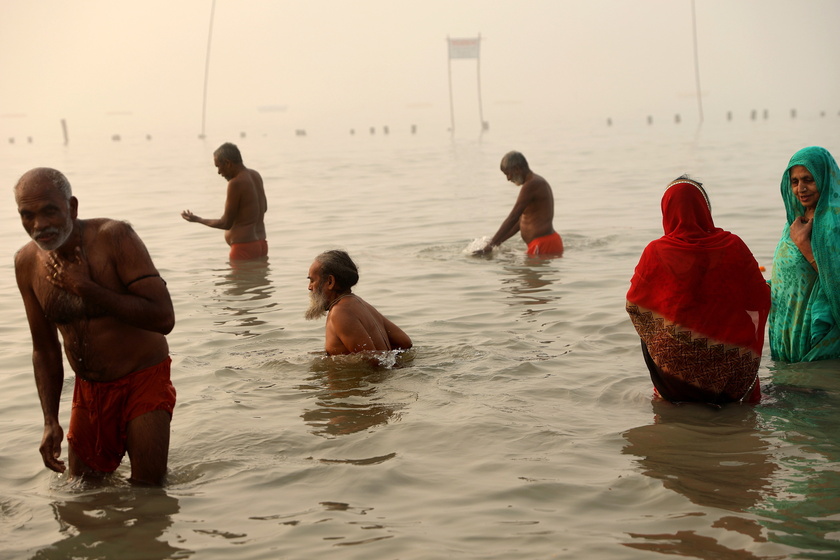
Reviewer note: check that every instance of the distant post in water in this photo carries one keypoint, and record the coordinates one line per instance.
(465, 48)
(207, 70)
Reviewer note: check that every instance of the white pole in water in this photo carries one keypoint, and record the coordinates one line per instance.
(207, 68)
(478, 78)
(696, 61)
(449, 69)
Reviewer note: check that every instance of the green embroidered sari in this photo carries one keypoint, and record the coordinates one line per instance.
(805, 313)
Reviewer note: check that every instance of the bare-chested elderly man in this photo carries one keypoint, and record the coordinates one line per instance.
(245, 206)
(353, 325)
(533, 212)
(94, 282)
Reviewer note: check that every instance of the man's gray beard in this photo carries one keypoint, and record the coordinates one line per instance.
(318, 305)
(63, 236)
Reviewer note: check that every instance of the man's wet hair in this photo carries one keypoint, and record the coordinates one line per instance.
(228, 152)
(514, 160)
(54, 176)
(340, 266)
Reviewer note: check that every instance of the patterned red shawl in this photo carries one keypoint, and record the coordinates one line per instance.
(701, 277)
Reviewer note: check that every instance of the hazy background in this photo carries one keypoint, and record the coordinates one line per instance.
(138, 67)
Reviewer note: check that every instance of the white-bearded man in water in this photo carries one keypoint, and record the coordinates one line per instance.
(94, 282)
(353, 325)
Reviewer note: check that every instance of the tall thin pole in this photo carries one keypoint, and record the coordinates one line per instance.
(696, 61)
(207, 68)
(449, 69)
(478, 77)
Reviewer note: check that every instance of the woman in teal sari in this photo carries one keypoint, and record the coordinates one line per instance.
(805, 283)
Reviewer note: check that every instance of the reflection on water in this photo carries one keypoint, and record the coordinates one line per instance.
(347, 394)
(690, 544)
(115, 523)
(715, 458)
(242, 296)
(803, 412)
(530, 283)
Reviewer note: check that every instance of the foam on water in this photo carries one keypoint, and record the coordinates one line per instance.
(476, 244)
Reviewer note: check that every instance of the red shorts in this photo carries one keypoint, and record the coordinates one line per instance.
(248, 251)
(101, 413)
(550, 244)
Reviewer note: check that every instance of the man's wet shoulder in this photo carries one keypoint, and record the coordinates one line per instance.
(26, 255)
(108, 226)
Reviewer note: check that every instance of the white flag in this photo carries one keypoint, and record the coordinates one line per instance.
(464, 48)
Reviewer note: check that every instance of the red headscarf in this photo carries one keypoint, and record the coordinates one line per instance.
(701, 277)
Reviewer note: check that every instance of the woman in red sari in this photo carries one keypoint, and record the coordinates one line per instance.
(699, 303)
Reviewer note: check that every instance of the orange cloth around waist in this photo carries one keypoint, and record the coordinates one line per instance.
(101, 412)
(249, 250)
(550, 244)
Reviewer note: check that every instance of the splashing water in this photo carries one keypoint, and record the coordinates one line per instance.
(476, 244)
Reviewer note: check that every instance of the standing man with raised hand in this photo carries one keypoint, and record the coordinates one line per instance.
(94, 282)
(532, 214)
(245, 206)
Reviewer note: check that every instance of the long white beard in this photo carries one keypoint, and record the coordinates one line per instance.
(318, 305)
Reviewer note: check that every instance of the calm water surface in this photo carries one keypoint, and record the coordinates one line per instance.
(521, 424)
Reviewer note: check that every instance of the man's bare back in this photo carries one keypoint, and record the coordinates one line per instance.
(354, 325)
(538, 213)
(262, 201)
(244, 208)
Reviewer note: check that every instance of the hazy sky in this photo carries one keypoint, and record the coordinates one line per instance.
(384, 61)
